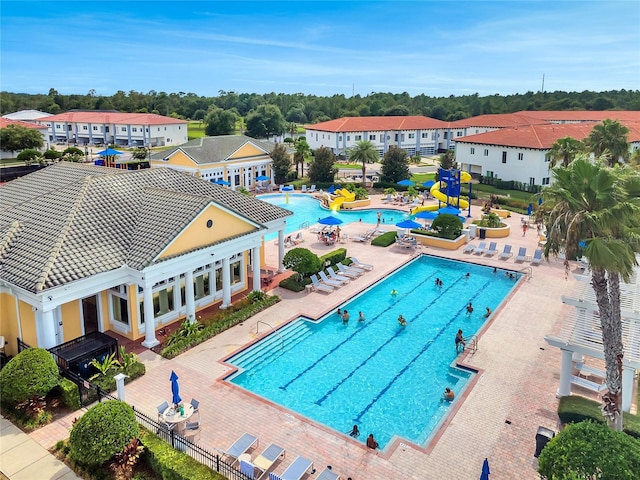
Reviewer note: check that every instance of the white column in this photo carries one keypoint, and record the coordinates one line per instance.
(150, 339)
(120, 385)
(627, 388)
(564, 389)
(190, 301)
(255, 263)
(280, 250)
(46, 330)
(226, 283)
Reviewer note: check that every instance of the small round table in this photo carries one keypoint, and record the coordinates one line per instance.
(245, 457)
(172, 415)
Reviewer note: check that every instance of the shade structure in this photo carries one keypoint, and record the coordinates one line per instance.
(109, 152)
(175, 388)
(222, 182)
(262, 178)
(288, 188)
(406, 183)
(427, 215)
(408, 224)
(331, 189)
(485, 470)
(428, 184)
(449, 211)
(330, 220)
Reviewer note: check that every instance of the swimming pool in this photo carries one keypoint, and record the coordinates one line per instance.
(308, 210)
(385, 378)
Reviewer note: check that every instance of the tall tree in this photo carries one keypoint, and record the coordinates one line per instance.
(15, 137)
(609, 138)
(264, 121)
(303, 151)
(363, 152)
(281, 163)
(600, 206)
(220, 122)
(321, 168)
(395, 165)
(564, 150)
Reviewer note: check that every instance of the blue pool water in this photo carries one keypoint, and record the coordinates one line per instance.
(385, 378)
(308, 210)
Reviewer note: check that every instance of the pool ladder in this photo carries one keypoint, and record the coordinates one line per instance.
(528, 272)
(473, 343)
(272, 329)
(303, 226)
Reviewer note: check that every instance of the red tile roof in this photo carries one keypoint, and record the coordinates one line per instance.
(582, 115)
(498, 120)
(116, 118)
(377, 124)
(5, 122)
(530, 136)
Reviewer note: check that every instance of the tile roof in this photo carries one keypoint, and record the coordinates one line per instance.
(5, 122)
(530, 136)
(581, 115)
(498, 120)
(214, 149)
(377, 124)
(70, 221)
(116, 118)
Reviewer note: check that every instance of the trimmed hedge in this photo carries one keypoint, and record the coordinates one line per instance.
(385, 239)
(171, 464)
(70, 394)
(334, 257)
(183, 344)
(32, 372)
(575, 409)
(293, 284)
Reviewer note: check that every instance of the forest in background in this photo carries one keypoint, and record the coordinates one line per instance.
(300, 108)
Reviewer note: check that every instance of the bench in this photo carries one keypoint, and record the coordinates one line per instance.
(588, 384)
(587, 371)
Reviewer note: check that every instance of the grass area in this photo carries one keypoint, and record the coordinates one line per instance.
(484, 191)
(195, 130)
(420, 178)
(349, 166)
(5, 162)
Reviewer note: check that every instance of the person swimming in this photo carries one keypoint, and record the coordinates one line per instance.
(469, 309)
(448, 394)
(361, 317)
(401, 321)
(488, 314)
(394, 292)
(355, 431)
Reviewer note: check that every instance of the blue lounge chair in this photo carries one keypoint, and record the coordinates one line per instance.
(240, 446)
(493, 249)
(522, 253)
(328, 474)
(321, 287)
(537, 257)
(506, 253)
(263, 462)
(480, 249)
(295, 471)
(469, 248)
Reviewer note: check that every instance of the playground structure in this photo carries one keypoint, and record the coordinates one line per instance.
(447, 191)
(339, 197)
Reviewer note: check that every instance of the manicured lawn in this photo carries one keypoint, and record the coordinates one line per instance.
(350, 166)
(195, 130)
(420, 178)
(486, 190)
(10, 161)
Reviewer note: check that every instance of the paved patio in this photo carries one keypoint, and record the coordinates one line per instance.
(497, 417)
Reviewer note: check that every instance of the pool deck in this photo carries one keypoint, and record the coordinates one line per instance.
(497, 417)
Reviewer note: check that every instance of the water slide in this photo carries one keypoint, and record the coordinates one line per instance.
(341, 195)
(436, 193)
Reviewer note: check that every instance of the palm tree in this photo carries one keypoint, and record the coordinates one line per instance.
(564, 149)
(303, 151)
(609, 138)
(599, 205)
(365, 152)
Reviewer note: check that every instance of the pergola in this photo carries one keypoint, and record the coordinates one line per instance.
(581, 333)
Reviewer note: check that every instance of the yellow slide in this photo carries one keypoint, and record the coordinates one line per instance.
(435, 191)
(342, 195)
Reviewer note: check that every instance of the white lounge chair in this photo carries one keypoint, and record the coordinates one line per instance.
(312, 189)
(328, 474)
(387, 199)
(328, 281)
(240, 446)
(469, 248)
(297, 239)
(263, 462)
(356, 263)
(506, 253)
(480, 249)
(338, 276)
(320, 286)
(347, 272)
(522, 254)
(493, 249)
(303, 189)
(537, 257)
(295, 471)
(588, 384)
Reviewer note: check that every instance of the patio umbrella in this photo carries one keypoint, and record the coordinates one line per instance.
(427, 215)
(529, 209)
(408, 224)
(330, 220)
(406, 183)
(262, 178)
(485, 470)
(175, 388)
(331, 189)
(449, 210)
(428, 183)
(539, 200)
(109, 152)
(222, 182)
(288, 188)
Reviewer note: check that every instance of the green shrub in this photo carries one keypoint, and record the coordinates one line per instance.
(32, 372)
(590, 450)
(52, 154)
(575, 409)
(29, 155)
(385, 239)
(302, 261)
(333, 258)
(102, 432)
(447, 226)
(294, 284)
(107, 383)
(69, 394)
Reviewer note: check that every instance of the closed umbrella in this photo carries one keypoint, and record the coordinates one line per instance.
(408, 224)
(485, 470)
(406, 183)
(330, 220)
(529, 209)
(175, 388)
(539, 200)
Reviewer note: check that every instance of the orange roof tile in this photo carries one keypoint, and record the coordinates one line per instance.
(5, 122)
(377, 124)
(530, 136)
(582, 115)
(114, 118)
(498, 120)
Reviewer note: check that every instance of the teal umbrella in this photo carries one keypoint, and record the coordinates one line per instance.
(408, 224)
(330, 220)
(406, 183)
(109, 152)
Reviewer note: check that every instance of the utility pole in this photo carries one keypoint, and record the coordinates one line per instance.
(543, 83)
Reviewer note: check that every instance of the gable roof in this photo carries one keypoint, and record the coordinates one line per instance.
(498, 120)
(70, 221)
(377, 124)
(27, 115)
(117, 118)
(582, 115)
(5, 122)
(214, 149)
(530, 136)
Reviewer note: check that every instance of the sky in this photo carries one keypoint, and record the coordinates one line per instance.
(435, 48)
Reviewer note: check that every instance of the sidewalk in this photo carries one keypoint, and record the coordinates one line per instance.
(22, 458)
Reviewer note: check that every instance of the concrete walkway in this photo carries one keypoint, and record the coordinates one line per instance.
(22, 458)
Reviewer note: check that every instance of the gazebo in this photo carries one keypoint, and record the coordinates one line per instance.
(581, 335)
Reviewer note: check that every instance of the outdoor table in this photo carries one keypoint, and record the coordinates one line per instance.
(172, 416)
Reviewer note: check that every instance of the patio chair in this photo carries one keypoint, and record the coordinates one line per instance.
(313, 189)
(163, 424)
(240, 446)
(327, 281)
(358, 264)
(328, 474)
(320, 286)
(387, 199)
(469, 248)
(493, 249)
(337, 276)
(506, 253)
(481, 248)
(349, 273)
(295, 471)
(297, 239)
(303, 189)
(195, 404)
(537, 257)
(263, 462)
(522, 253)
